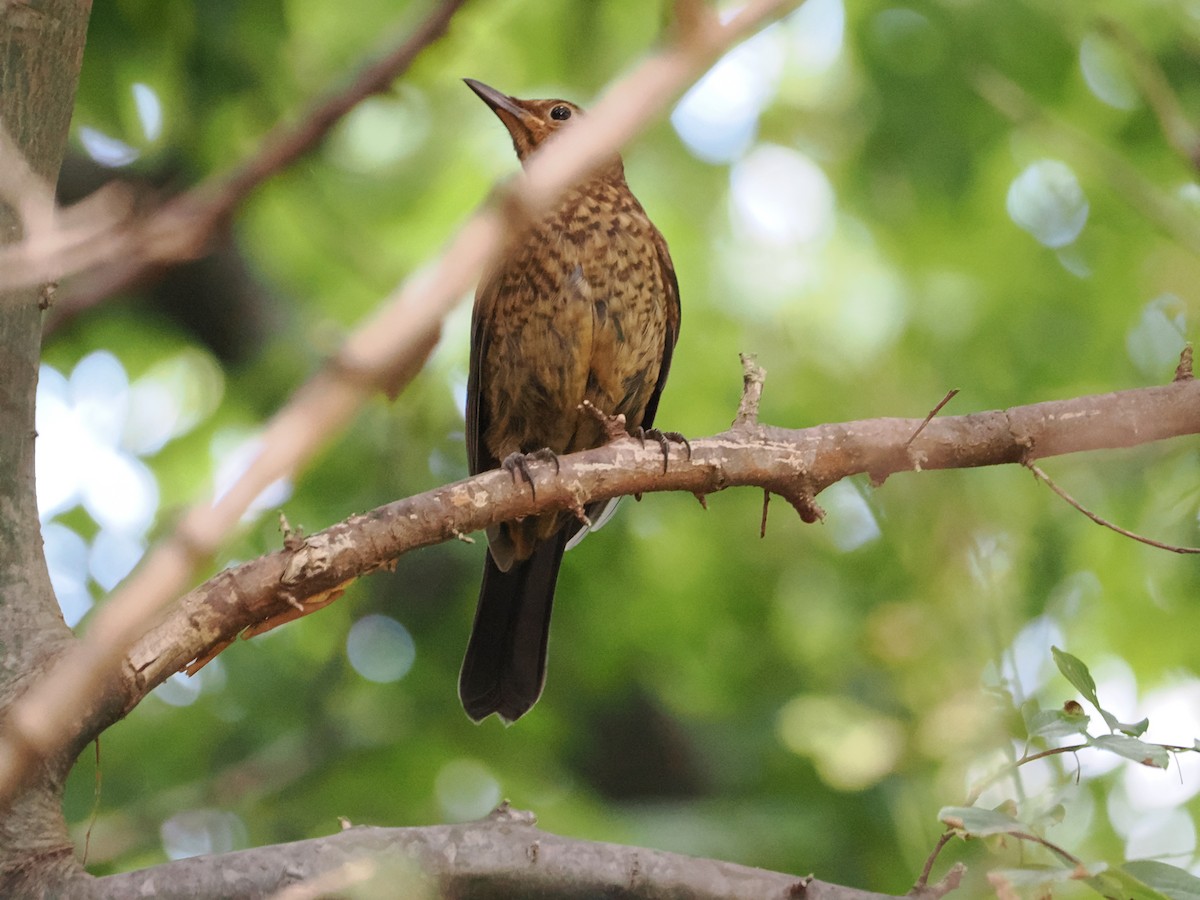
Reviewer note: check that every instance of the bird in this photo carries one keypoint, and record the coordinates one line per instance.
(582, 306)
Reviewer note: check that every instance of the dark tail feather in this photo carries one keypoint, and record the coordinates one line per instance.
(505, 665)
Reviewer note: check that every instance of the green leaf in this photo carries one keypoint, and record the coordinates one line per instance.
(1053, 723)
(978, 822)
(1137, 729)
(1132, 748)
(1077, 673)
(1169, 880)
(1119, 883)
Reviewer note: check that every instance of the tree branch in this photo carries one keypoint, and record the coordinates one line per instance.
(796, 464)
(504, 855)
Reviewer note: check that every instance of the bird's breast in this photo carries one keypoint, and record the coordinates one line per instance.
(579, 313)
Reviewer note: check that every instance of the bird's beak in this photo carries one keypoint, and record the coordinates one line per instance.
(497, 101)
(522, 123)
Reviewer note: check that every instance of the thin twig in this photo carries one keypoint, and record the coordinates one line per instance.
(754, 377)
(927, 870)
(950, 394)
(1011, 769)
(1049, 845)
(1102, 521)
(87, 837)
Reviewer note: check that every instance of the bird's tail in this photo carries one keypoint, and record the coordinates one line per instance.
(505, 665)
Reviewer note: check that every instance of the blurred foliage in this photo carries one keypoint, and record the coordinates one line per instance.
(807, 701)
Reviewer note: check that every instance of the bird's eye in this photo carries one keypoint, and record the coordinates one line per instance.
(561, 113)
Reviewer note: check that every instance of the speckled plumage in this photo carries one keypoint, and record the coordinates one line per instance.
(583, 306)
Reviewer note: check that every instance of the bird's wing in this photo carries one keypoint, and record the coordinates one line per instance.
(671, 332)
(479, 459)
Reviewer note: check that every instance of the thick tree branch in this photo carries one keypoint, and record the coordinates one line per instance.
(504, 855)
(384, 352)
(796, 464)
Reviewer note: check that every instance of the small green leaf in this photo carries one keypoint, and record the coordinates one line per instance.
(1077, 673)
(1053, 723)
(1054, 815)
(1120, 883)
(978, 822)
(1137, 729)
(1169, 880)
(1132, 748)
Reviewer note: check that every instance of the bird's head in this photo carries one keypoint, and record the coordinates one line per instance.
(530, 122)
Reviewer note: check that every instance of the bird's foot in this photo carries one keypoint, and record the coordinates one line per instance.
(518, 464)
(614, 426)
(665, 439)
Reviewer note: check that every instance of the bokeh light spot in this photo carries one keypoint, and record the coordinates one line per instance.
(1106, 73)
(149, 110)
(179, 690)
(1155, 342)
(851, 520)
(113, 556)
(1047, 201)
(466, 789)
(233, 453)
(197, 832)
(1174, 714)
(818, 34)
(66, 558)
(718, 118)
(781, 197)
(380, 132)
(105, 149)
(80, 420)
(380, 648)
(851, 747)
(170, 399)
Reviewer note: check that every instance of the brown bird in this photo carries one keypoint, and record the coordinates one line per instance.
(583, 306)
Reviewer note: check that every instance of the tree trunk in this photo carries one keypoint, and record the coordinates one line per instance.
(41, 47)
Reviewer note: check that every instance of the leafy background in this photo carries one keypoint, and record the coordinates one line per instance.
(842, 197)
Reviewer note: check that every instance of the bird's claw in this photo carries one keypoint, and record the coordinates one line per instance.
(664, 439)
(518, 464)
(614, 426)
